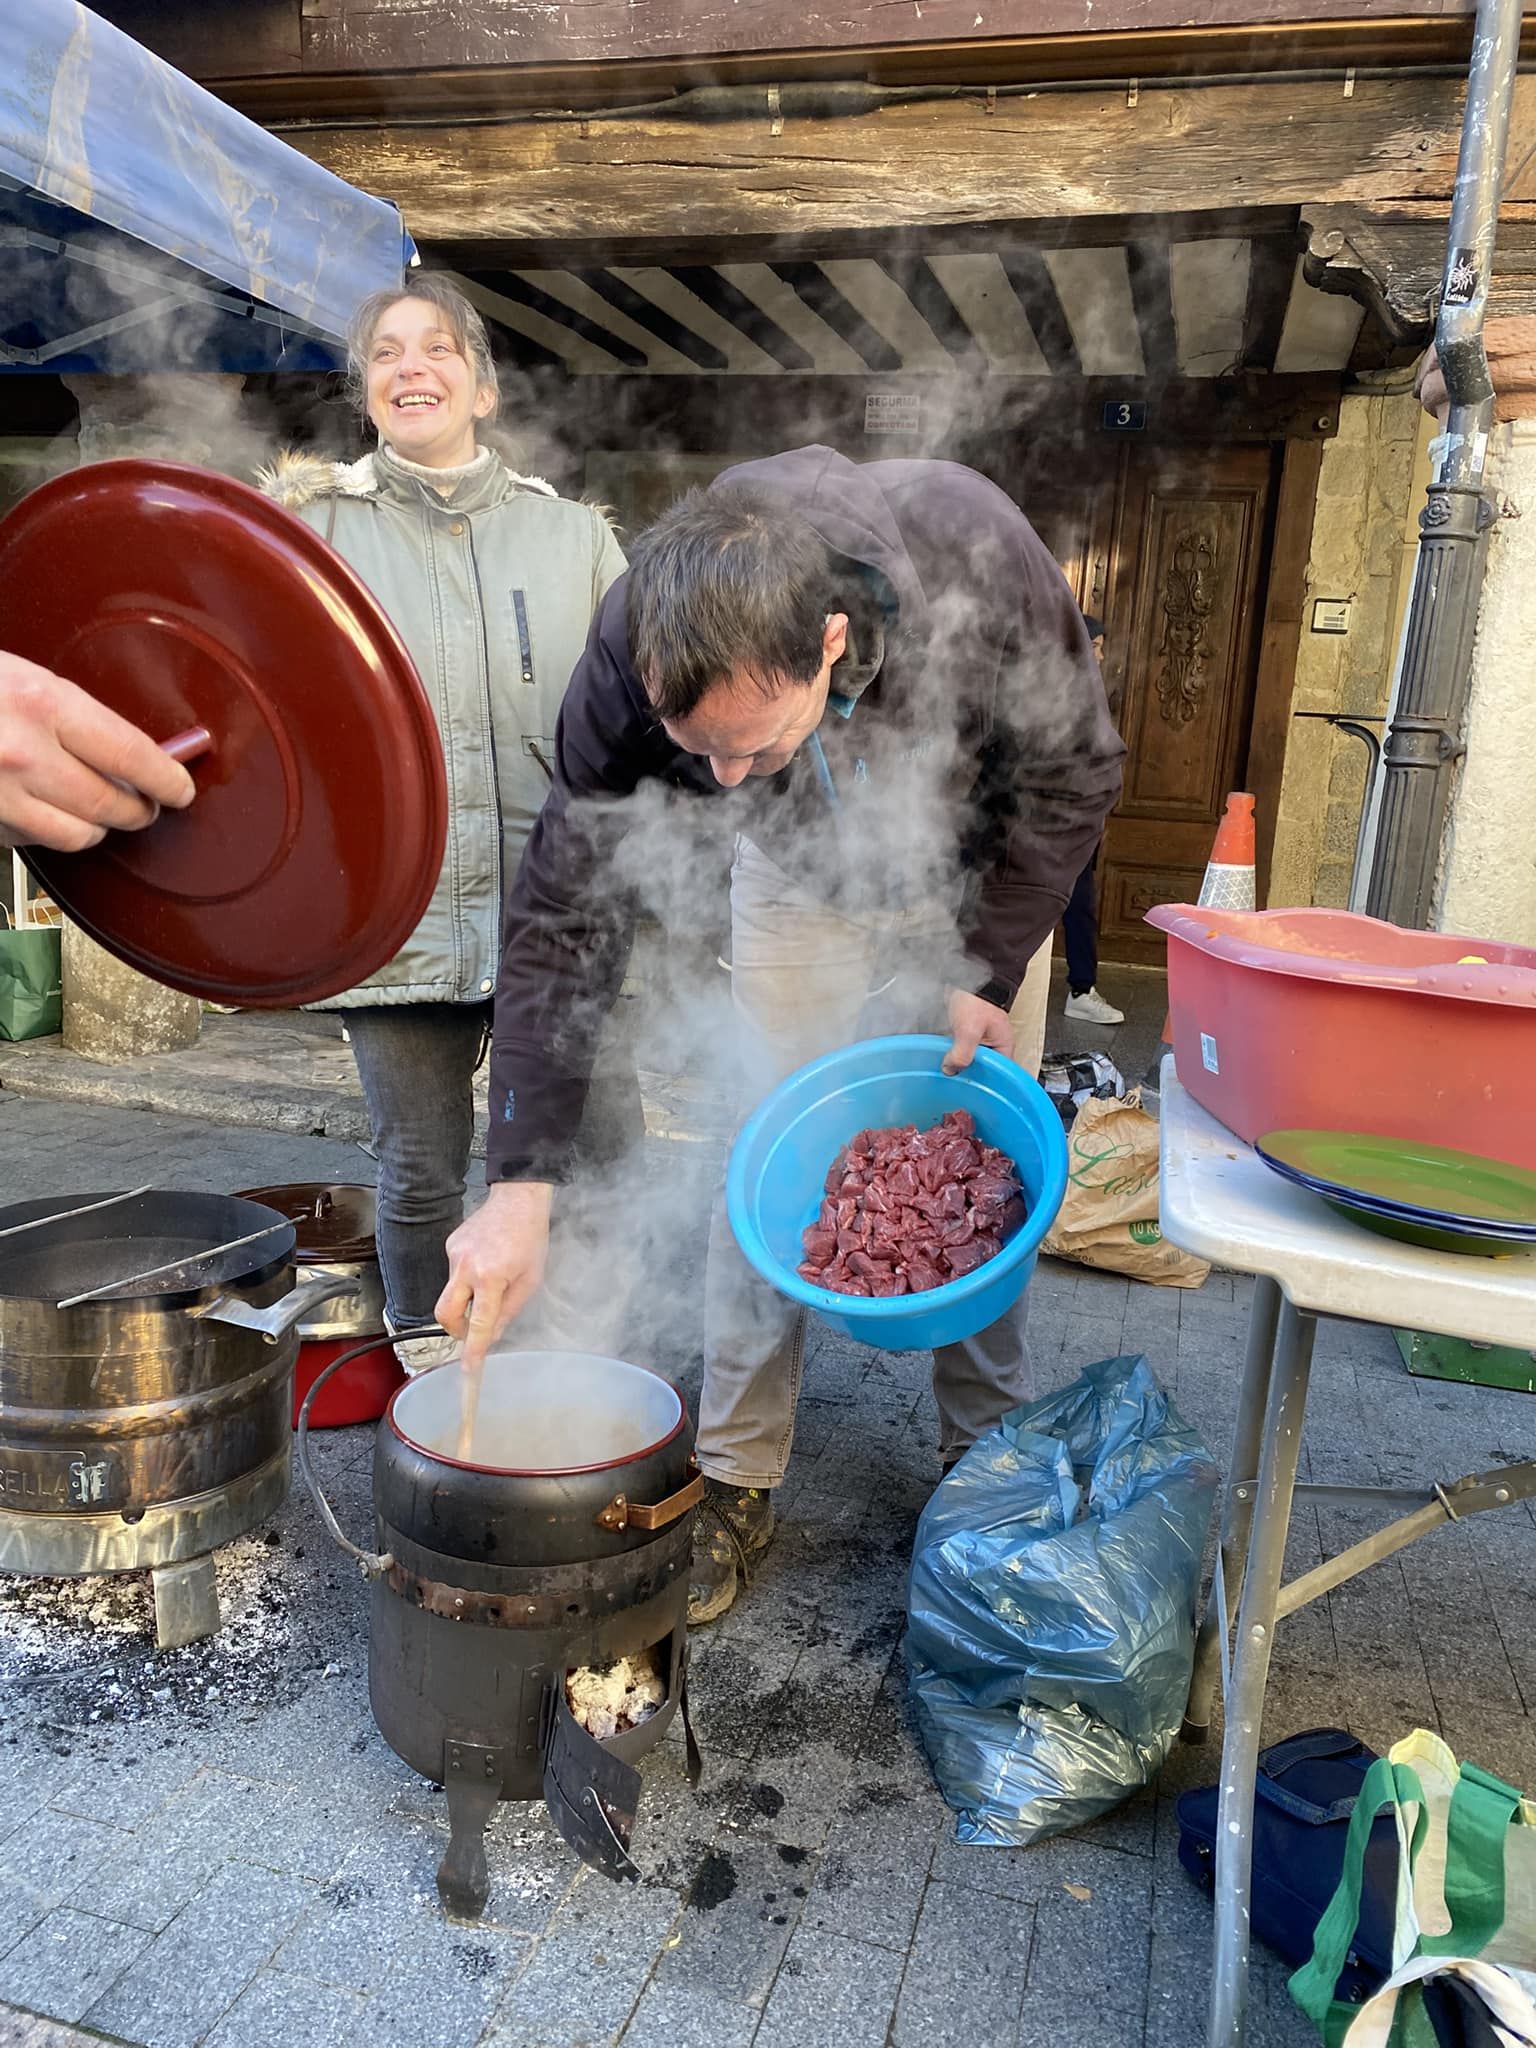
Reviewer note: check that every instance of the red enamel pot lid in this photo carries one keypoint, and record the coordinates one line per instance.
(183, 599)
(333, 1221)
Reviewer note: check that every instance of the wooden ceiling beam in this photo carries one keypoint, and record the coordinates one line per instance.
(279, 59)
(1271, 279)
(919, 166)
(954, 238)
(1392, 262)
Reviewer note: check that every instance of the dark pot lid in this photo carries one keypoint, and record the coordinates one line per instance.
(149, 1248)
(333, 1220)
(189, 602)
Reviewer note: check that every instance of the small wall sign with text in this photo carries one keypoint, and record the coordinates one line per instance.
(1330, 615)
(1124, 416)
(893, 412)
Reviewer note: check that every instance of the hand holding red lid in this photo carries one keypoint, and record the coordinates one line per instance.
(226, 631)
(70, 769)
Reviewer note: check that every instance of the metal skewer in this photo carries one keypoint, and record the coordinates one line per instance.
(175, 1266)
(86, 1209)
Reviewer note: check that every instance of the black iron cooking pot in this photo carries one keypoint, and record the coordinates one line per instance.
(561, 1540)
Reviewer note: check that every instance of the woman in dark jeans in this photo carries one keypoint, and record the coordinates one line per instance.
(492, 581)
(1080, 919)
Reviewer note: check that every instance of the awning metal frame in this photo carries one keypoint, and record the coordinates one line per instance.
(99, 254)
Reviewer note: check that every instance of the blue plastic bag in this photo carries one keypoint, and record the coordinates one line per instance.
(1051, 1605)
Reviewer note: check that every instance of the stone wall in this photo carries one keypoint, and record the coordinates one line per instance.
(1364, 536)
(1487, 883)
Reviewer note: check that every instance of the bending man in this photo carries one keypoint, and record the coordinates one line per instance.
(884, 673)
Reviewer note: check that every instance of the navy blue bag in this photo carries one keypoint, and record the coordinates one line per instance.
(1307, 1787)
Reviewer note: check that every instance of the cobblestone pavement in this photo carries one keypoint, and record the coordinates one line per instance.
(222, 1850)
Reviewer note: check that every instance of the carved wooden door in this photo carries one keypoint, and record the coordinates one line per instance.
(1184, 608)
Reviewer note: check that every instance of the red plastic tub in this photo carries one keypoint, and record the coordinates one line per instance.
(1320, 1020)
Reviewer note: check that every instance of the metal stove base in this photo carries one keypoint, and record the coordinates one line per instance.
(173, 1542)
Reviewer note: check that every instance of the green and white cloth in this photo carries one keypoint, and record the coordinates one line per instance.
(1466, 1903)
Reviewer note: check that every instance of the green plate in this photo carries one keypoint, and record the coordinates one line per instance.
(1433, 1180)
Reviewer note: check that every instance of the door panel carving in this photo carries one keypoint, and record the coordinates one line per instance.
(1169, 547)
(1189, 598)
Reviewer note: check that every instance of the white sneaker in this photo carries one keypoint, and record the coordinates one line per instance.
(1092, 1009)
(421, 1354)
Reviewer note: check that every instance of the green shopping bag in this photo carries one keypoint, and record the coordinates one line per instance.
(1466, 1899)
(31, 995)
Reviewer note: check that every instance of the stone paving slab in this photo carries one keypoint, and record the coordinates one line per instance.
(232, 1858)
(68, 1961)
(19, 2029)
(288, 1071)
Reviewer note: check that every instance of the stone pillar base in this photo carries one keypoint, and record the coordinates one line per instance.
(113, 1013)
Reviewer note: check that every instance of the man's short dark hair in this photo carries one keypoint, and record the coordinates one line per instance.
(1095, 626)
(727, 579)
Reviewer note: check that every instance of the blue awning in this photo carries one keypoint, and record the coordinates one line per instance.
(144, 225)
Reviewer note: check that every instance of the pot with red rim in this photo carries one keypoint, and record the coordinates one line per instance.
(560, 1541)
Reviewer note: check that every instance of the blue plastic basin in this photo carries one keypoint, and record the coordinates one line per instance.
(778, 1169)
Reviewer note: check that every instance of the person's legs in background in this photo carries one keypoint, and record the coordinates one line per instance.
(416, 1062)
(1080, 935)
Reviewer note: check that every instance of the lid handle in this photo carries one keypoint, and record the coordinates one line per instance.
(190, 745)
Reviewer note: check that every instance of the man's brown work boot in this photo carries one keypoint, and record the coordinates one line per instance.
(731, 1526)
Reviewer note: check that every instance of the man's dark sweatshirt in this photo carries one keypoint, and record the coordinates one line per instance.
(967, 733)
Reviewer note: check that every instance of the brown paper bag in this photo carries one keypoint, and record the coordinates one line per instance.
(1109, 1216)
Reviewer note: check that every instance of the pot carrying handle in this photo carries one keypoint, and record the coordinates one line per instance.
(373, 1562)
(274, 1323)
(624, 1513)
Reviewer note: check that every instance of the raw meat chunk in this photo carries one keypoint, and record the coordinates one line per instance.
(908, 1210)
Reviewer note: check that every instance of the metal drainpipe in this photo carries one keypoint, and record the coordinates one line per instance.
(1425, 740)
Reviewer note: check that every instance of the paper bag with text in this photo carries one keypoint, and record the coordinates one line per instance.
(1109, 1216)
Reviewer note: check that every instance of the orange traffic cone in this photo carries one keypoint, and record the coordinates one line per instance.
(1229, 875)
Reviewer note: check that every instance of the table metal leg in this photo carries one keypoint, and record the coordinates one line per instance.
(1283, 1417)
(1237, 1507)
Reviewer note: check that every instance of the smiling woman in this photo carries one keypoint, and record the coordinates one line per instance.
(426, 374)
(492, 581)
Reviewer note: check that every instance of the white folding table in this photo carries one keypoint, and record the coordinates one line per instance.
(1219, 1200)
